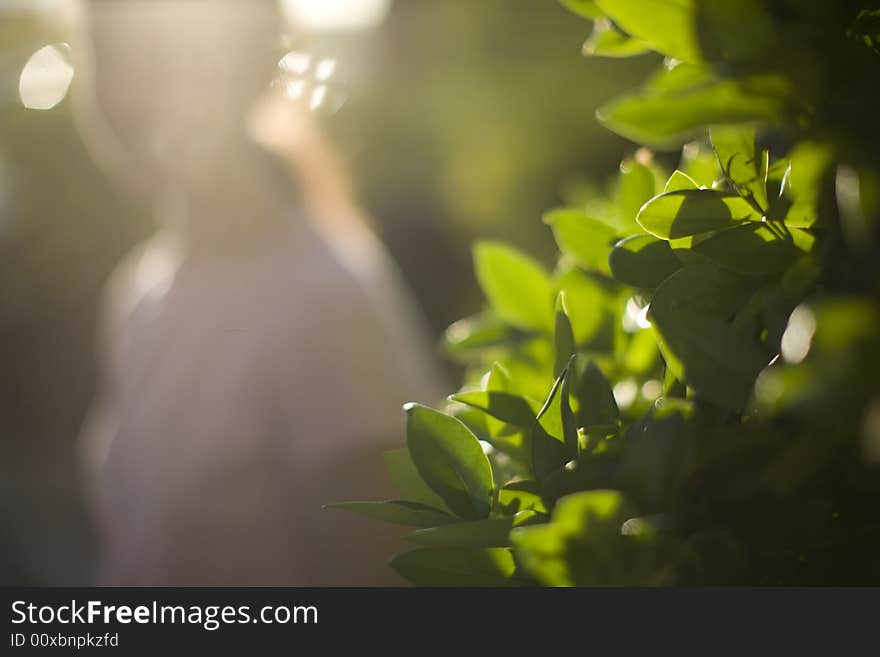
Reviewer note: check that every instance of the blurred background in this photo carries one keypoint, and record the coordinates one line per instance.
(457, 120)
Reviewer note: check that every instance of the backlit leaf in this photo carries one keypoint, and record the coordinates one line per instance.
(554, 434)
(586, 240)
(755, 248)
(672, 215)
(564, 337)
(608, 41)
(719, 362)
(668, 26)
(517, 287)
(677, 104)
(407, 480)
(451, 461)
(741, 162)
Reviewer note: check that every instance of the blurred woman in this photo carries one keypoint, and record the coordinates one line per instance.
(259, 347)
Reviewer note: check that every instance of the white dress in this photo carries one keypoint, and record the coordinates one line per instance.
(242, 394)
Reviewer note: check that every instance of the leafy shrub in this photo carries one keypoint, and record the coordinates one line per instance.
(691, 396)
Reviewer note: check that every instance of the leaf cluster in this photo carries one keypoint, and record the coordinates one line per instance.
(690, 396)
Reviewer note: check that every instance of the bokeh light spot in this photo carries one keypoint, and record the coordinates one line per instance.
(798, 337)
(45, 79)
(625, 393)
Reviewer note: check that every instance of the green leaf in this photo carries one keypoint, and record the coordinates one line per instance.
(596, 403)
(668, 26)
(564, 337)
(456, 566)
(451, 461)
(656, 453)
(599, 505)
(809, 170)
(740, 162)
(776, 174)
(641, 353)
(554, 435)
(586, 304)
(521, 496)
(585, 240)
(569, 425)
(609, 41)
(499, 378)
(707, 289)
(492, 532)
(717, 361)
(679, 180)
(508, 437)
(529, 368)
(480, 334)
(584, 8)
(683, 248)
(643, 261)
(636, 187)
(504, 406)
(517, 287)
(699, 163)
(673, 386)
(672, 215)
(582, 545)
(398, 512)
(755, 249)
(843, 323)
(679, 102)
(407, 480)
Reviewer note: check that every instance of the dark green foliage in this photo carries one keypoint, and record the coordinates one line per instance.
(643, 261)
(691, 396)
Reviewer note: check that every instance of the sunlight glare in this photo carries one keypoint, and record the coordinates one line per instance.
(336, 15)
(295, 63)
(295, 88)
(325, 69)
(318, 97)
(45, 79)
(635, 317)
